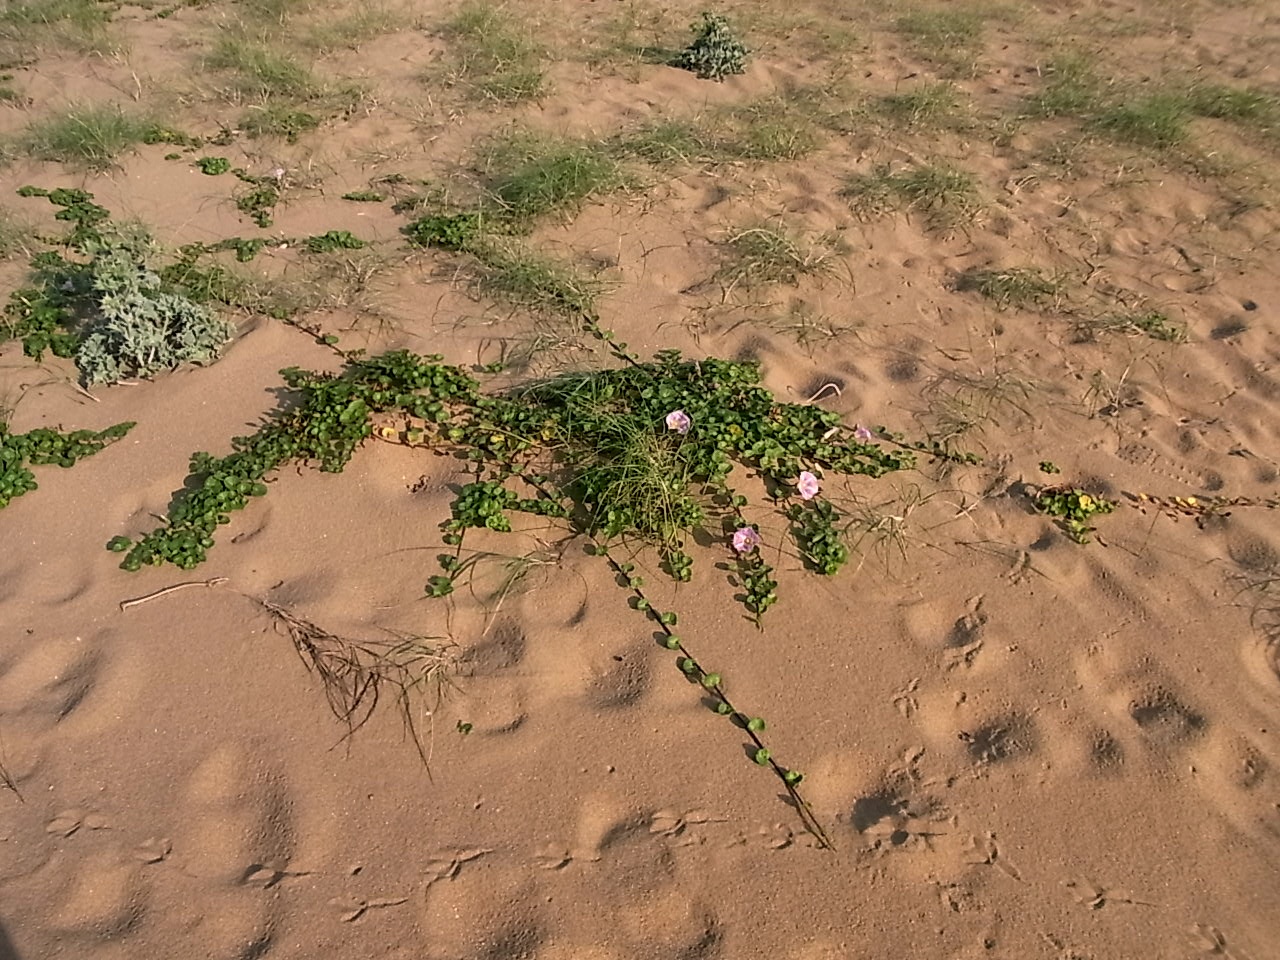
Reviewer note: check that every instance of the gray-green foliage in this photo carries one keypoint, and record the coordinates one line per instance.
(137, 329)
(715, 52)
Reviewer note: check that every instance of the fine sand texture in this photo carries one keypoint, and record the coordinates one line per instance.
(1043, 234)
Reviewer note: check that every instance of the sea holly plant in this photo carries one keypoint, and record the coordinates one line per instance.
(102, 301)
(715, 52)
(638, 456)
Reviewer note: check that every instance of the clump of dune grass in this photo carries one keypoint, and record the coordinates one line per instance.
(765, 254)
(1158, 120)
(17, 236)
(962, 404)
(511, 273)
(940, 28)
(1149, 322)
(90, 136)
(926, 105)
(353, 30)
(28, 27)
(947, 36)
(668, 142)
(1018, 287)
(1071, 88)
(944, 196)
(493, 53)
(531, 176)
(259, 70)
(771, 129)
(1231, 103)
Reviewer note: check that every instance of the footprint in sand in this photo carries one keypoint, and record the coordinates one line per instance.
(106, 899)
(615, 882)
(1230, 769)
(1238, 778)
(238, 837)
(50, 679)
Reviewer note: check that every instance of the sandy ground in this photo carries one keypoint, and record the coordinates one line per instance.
(1020, 746)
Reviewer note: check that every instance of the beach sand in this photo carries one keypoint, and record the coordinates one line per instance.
(1019, 746)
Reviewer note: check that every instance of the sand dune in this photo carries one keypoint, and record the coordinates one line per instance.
(1020, 746)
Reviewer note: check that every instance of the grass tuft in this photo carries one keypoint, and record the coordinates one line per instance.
(949, 38)
(1155, 324)
(17, 236)
(1238, 105)
(944, 196)
(767, 254)
(1071, 88)
(278, 120)
(530, 176)
(774, 128)
(90, 136)
(667, 143)
(30, 26)
(260, 72)
(494, 56)
(510, 273)
(354, 30)
(941, 28)
(1018, 287)
(1159, 120)
(925, 106)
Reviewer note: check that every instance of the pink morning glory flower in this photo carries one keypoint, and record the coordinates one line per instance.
(678, 421)
(745, 539)
(807, 485)
(862, 434)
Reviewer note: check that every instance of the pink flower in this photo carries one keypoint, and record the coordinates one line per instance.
(678, 421)
(862, 434)
(807, 485)
(745, 539)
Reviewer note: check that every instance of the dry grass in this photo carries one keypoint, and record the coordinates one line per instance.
(356, 675)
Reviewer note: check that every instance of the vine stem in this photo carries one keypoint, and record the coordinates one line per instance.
(807, 816)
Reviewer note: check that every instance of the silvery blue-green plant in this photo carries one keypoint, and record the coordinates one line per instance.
(137, 329)
(715, 52)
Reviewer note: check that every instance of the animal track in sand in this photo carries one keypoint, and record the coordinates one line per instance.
(1238, 778)
(502, 648)
(1163, 718)
(238, 835)
(106, 898)
(1105, 752)
(1005, 737)
(50, 678)
(83, 685)
(623, 679)
(899, 810)
(484, 905)
(959, 640)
